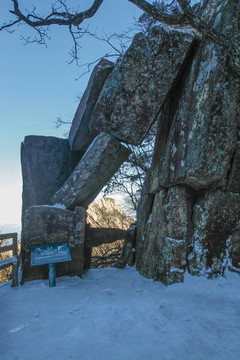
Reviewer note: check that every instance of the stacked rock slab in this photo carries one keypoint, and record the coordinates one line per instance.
(100, 162)
(195, 167)
(79, 136)
(136, 88)
(47, 162)
(44, 225)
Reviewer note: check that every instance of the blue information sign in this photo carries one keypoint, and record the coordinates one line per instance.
(50, 254)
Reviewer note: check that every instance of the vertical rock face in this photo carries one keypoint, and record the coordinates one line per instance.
(233, 181)
(143, 214)
(167, 235)
(197, 149)
(100, 162)
(49, 225)
(233, 245)
(202, 138)
(79, 136)
(135, 90)
(46, 164)
(215, 215)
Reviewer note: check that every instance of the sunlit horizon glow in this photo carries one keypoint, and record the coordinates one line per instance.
(10, 196)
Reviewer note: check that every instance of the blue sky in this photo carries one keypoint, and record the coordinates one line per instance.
(38, 85)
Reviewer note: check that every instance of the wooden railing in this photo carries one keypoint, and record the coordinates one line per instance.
(12, 261)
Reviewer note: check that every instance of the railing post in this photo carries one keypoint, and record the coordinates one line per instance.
(14, 274)
(15, 245)
(15, 264)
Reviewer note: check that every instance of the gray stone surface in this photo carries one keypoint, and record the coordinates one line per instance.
(46, 164)
(101, 160)
(79, 136)
(234, 249)
(197, 145)
(167, 235)
(215, 215)
(203, 135)
(137, 87)
(143, 212)
(44, 225)
(233, 180)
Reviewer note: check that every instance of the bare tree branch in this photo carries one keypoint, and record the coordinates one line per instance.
(9, 25)
(209, 33)
(202, 27)
(153, 10)
(56, 18)
(177, 12)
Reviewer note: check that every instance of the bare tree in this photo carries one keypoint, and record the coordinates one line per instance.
(176, 12)
(107, 213)
(129, 179)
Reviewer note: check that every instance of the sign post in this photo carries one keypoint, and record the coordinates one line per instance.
(52, 275)
(50, 255)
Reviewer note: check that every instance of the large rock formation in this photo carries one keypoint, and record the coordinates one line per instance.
(197, 149)
(189, 212)
(49, 177)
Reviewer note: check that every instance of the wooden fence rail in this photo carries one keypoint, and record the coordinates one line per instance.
(12, 261)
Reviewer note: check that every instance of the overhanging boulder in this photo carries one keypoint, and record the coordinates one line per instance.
(137, 87)
(100, 162)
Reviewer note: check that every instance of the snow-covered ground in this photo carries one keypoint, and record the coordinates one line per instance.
(116, 314)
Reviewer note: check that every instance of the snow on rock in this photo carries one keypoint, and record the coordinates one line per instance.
(175, 240)
(117, 314)
(57, 206)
